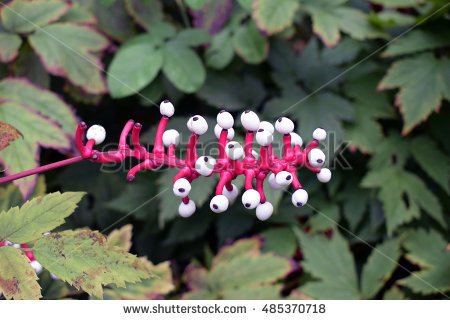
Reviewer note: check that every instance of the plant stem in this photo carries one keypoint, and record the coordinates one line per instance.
(37, 170)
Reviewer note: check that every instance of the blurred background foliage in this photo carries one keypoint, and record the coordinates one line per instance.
(375, 74)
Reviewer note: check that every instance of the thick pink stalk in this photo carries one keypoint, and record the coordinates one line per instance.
(158, 148)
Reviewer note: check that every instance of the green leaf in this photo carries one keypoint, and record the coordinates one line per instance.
(379, 267)
(37, 131)
(79, 14)
(274, 16)
(236, 271)
(403, 195)
(35, 217)
(17, 277)
(281, 241)
(26, 16)
(398, 3)
(330, 19)
(231, 91)
(121, 237)
(430, 251)
(250, 45)
(220, 52)
(326, 110)
(112, 19)
(246, 4)
(85, 260)
(39, 100)
(416, 41)
(148, 289)
(435, 163)
(183, 68)
(9, 46)
(8, 134)
(74, 58)
(390, 19)
(135, 65)
(145, 12)
(365, 132)
(331, 262)
(192, 37)
(424, 81)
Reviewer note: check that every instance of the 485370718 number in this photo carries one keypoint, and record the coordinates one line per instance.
(294, 308)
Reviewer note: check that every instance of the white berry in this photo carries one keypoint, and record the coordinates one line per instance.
(182, 187)
(234, 150)
(296, 140)
(264, 211)
(319, 134)
(273, 183)
(171, 136)
(264, 137)
(219, 204)
(218, 130)
(283, 178)
(205, 165)
(284, 125)
(324, 175)
(231, 195)
(166, 108)
(36, 266)
(186, 210)
(96, 133)
(251, 198)
(250, 120)
(198, 125)
(316, 157)
(300, 198)
(266, 125)
(225, 119)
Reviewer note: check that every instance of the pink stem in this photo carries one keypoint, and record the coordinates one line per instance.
(123, 136)
(145, 165)
(225, 177)
(79, 136)
(41, 169)
(158, 148)
(264, 157)
(191, 154)
(222, 144)
(249, 176)
(248, 146)
(287, 147)
(260, 186)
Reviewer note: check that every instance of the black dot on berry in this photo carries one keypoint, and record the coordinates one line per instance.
(195, 118)
(215, 206)
(206, 159)
(230, 146)
(222, 111)
(246, 111)
(247, 205)
(319, 161)
(299, 204)
(260, 130)
(288, 178)
(181, 190)
(280, 119)
(166, 101)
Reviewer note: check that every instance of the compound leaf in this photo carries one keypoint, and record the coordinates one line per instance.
(85, 260)
(250, 45)
(424, 81)
(274, 16)
(26, 16)
(9, 46)
(17, 277)
(37, 216)
(75, 58)
(430, 251)
(331, 262)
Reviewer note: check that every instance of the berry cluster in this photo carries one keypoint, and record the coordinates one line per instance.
(33, 262)
(233, 159)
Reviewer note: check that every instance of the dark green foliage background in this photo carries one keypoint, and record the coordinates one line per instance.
(375, 74)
